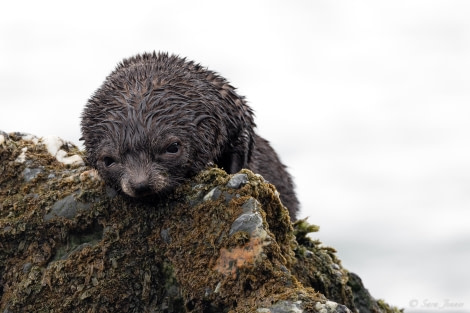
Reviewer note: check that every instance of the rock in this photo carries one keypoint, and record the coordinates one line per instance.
(219, 243)
(3, 137)
(67, 207)
(250, 221)
(58, 148)
(30, 173)
(237, 181)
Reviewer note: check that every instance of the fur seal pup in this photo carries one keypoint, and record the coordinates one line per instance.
(158, 119)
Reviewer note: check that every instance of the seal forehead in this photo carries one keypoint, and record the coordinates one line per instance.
(136, 131)
(147, 72)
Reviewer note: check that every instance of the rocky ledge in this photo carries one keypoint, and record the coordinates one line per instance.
(219, 243)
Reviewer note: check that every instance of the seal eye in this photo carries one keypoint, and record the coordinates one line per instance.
(108, 161)
(173, 148)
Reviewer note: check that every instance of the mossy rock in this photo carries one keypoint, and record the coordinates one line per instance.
(219, 243)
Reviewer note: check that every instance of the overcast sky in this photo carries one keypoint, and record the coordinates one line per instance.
(367, 102)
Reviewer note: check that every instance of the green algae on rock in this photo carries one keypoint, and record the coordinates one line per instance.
(219, 243)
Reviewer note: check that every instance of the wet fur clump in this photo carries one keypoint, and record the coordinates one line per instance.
(159, 119)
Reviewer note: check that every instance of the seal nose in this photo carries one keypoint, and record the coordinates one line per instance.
(141, 188)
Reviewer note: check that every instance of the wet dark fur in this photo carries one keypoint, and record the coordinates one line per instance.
(159, 119)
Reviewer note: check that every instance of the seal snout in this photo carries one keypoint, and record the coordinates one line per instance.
(141, 188)
(136, 183)
(141, 183)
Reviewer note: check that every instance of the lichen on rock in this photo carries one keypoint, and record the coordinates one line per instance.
(218, 243)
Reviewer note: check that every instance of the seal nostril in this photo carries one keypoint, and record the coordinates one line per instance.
(141, 188)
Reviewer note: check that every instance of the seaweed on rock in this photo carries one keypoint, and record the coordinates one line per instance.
(219, 243)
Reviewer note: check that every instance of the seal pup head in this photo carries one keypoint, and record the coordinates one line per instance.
(159, 119)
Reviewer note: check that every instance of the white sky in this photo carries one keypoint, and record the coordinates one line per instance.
(367, 102)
